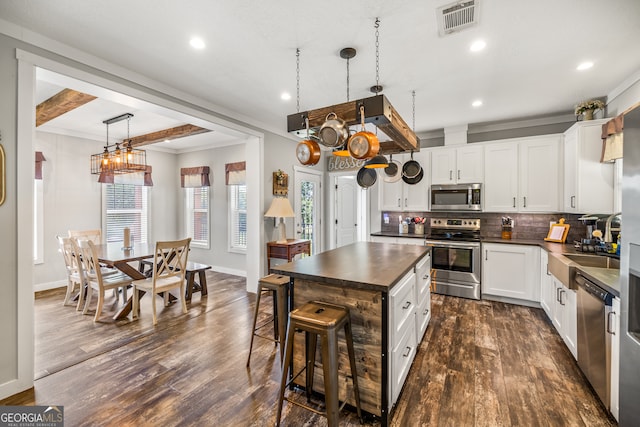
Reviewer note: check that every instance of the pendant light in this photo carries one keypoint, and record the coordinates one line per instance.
(346, 53)
(122, 159)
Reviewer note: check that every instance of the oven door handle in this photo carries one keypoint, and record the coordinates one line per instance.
(449, 244)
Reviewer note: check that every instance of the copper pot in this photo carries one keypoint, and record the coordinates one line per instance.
(363, 144)
(308, 152)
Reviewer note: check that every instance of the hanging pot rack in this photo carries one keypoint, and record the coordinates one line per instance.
(378, 111)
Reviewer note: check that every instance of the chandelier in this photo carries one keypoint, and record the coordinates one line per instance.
(118, 158)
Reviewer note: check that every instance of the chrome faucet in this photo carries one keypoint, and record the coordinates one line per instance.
(607, 229)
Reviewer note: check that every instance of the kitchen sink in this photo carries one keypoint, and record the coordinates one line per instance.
(563, 267)
(594, 261)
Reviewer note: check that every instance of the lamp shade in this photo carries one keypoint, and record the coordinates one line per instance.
(280, 207)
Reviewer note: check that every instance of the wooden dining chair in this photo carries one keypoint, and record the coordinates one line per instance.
(169, 268)
(94, 235)
(65, 247)
(91, 273)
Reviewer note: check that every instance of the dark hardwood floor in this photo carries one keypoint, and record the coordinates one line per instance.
(481, 363)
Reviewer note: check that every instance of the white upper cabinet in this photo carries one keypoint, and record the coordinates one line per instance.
(501, 177)
(540, 165)
(400, 196)
(588, 184)
(523, 174)
(457, 165)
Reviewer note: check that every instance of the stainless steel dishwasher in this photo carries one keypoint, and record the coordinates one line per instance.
(594, 339)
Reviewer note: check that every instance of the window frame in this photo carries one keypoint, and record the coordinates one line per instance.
(232, 211)
(189, 195)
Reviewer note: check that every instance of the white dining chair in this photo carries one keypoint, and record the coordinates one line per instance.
(65, 247)
(91, 273)
(169, 268)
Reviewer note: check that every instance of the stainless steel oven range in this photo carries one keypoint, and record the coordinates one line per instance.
(455, 256)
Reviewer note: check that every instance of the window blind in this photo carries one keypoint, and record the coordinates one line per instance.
(198, 214)
(238, 217)
(126, 206)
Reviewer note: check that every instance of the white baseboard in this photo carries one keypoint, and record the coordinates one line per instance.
(49, 285)
(241, 273)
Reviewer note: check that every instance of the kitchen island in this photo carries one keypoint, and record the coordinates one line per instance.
(386, 288)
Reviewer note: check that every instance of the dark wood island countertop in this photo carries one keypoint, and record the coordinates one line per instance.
(361, 265)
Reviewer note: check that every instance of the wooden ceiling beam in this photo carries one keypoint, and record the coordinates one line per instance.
(59, 104)
(162, 135)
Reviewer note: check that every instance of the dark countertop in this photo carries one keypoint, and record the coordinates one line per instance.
(361, 265)
(607, 278)
(387, 234)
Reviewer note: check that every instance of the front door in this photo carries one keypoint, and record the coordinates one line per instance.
(308, 207)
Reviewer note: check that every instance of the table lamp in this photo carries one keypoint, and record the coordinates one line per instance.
(280, 208)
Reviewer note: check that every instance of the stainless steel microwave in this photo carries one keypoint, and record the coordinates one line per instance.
(456, 197)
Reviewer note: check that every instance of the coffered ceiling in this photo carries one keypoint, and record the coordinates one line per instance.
(528, 68)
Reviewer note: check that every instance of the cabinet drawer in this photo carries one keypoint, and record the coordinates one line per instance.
(402, 305)
(401, 359)
(423, 279)
(300, 248)
(423, 315)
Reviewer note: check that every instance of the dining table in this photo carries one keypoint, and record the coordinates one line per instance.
(115, 255)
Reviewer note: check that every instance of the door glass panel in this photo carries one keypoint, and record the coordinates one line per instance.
(307, 212)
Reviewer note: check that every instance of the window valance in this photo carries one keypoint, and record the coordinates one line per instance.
(235, 173)
(142, 178)
(39, 159)
(612, 140)
(194, 177)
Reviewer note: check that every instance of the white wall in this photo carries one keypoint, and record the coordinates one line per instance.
(218, 255)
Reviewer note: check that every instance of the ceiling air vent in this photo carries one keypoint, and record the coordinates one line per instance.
(457, 16)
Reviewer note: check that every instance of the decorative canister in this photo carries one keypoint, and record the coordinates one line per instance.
(419, 229)
(506, 232)
(403, 228)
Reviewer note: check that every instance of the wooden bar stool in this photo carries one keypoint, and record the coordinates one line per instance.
(277, 284)
(325, 320)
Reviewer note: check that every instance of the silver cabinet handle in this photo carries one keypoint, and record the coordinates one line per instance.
(407, 352)
(525, 202)
(573, 201)
(562, 292)
(609, 323)
(399, 203)
(458, 173)
(426, 311)
(486, 254)
(514, 202)
(407, 305)
(425, 277)
(450, 175)
(558, 294)
(406, 203)
(548, 274)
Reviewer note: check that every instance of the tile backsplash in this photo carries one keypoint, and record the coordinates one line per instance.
(526, 225)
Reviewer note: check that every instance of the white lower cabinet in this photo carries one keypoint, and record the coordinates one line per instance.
(613, 327)
(564, 315)
(383, 239)
(546, 284)
(409, 314)
(511, 271)
(423, 297)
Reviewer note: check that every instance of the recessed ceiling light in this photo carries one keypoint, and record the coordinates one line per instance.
(476, 103)
(167, 140)
(477, 46)
(584, 66)
(197, 43)
(285, 96)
